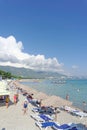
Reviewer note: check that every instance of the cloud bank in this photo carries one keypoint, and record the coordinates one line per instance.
(11, 53)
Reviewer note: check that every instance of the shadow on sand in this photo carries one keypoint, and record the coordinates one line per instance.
(2, 103)
(3, 129)
(81, 126)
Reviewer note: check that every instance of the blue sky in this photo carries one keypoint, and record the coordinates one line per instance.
(46, 29)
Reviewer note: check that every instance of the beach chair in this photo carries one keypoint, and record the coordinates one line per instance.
(46, 117)
(70, 126)
(34, 102)
(79, 113)
(46, 110)
(39, 110)
(67, 108)
(41, 117)
(56, 126)
(36, 109)
(44, 125)
(74, 111)
(74, 128)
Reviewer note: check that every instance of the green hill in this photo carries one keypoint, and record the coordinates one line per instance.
(28, 73)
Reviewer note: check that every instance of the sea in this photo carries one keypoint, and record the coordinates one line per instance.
(76, 89)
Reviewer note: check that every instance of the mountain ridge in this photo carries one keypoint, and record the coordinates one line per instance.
(29, 73)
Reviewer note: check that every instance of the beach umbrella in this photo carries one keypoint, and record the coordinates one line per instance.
(41, 95)
(56, 101)
(4, 92)
(3, 85)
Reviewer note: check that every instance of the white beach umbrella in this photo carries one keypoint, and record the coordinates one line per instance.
(3, 84)
(4, 92)
(3, 87)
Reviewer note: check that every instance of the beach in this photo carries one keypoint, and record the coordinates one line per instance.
(12, 118)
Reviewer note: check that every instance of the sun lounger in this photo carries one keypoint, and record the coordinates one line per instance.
(74, 111)
(70, 126)
(42, 117)
(39, 110)
(79, 113)
(46, 110)
(46, 117)
(44, 124)
(74, 128)
(67, 108)
(37, 118)
(34, 102)
(36, 109)
(56, 126)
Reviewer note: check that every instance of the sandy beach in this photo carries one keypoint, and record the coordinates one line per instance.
(12, 118)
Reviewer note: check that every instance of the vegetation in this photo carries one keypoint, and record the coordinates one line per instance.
(8, 75)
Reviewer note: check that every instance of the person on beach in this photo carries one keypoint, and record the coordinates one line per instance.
(56, 113)
(7, 101)
(25, 106)
(17, 93)
(15, 99)
(67, 97)
(40, 103)
(29, 97)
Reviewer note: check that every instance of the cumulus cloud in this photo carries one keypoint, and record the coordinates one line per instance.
(11, 53)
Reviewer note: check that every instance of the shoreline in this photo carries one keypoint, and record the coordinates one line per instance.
(35, 92)
(77, 102)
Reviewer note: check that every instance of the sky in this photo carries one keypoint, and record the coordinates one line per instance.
(45, 35)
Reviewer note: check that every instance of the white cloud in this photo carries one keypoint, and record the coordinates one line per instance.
(11, 54)
(75, 67)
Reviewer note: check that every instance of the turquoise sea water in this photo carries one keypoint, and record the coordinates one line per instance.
(76, 89)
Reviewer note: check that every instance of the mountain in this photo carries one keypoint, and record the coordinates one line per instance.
(29, 73)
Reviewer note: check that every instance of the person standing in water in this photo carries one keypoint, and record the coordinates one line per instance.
(67, 97)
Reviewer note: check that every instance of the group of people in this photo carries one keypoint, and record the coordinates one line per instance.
(28, 99)
(7, 100)
(15, 98)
